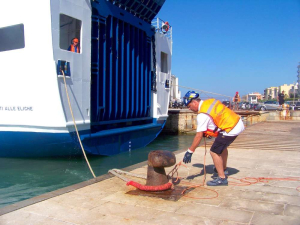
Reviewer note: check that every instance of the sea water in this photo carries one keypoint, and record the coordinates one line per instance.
(24, 178)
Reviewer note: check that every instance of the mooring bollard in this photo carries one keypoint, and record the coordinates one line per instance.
(157, 160)
(285, 113)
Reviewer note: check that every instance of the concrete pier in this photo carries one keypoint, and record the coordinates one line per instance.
(266, 149)
(180, 121)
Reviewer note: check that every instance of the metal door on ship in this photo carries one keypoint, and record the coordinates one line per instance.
(121, 71)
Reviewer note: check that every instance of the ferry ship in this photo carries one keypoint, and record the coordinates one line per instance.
(118, 82)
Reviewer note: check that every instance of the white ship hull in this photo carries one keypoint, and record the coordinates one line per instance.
(115, 114)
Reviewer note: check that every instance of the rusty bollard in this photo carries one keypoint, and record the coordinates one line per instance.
(157, 160)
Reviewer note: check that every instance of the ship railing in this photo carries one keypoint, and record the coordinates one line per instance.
(158, 23)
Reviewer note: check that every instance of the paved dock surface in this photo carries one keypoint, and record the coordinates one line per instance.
(267, 149)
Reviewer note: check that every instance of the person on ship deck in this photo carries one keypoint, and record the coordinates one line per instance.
(74, 47)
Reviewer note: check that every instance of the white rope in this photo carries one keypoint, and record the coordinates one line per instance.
(83, 151)
(202, 91)
(118, 173)
(129, 174)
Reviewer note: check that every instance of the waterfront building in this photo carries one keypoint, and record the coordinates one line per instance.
(270, 93)
(286, 88)
(254, 97)
(293, 91)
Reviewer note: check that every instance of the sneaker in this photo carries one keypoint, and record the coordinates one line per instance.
(218, 182)
(225, 171)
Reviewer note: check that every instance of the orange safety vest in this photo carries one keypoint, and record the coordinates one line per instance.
(73, 49)
(223, 117)
(237, 98)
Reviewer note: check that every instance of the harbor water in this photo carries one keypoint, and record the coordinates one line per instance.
(24, 178)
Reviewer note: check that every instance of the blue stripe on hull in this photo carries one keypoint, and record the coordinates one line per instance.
(35, 144)
(113, 143)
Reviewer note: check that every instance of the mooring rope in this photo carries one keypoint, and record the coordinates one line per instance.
(240, 181)
(83, 151)
(203, 181)
(142, 187)
(117, 171)
(246, 181)
(174, 176)
(202, 91)
(118, 175)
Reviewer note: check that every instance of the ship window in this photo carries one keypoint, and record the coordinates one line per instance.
(12, 37)
(69, 28)
(164, 62)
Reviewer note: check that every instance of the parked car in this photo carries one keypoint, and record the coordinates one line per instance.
(297, 106)
(256, 107)
(291, 104)
(227, 104)
(251, 105)
(177, 105)
(268, 105)
(244, 105)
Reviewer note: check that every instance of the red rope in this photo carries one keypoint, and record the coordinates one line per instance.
(150, 188)
(203, 181)
(253, 180)
(240, 181)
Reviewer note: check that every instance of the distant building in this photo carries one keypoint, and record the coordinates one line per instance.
(289, 90)
(293, 91)
(254, 97)
(270, 93)
(244, 98)
(286, 88)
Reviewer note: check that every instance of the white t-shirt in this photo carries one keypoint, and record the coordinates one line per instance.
(205, 122)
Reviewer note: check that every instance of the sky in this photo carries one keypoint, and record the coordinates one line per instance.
(224, 46)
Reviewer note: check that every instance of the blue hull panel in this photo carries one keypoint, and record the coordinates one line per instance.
(121, 140)
(36, 144)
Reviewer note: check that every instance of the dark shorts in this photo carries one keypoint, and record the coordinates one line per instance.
(221, 143)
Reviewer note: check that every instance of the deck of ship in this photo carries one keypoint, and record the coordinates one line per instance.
(267, 149)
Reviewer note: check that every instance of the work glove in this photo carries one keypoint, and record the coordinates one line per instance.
(188, 156)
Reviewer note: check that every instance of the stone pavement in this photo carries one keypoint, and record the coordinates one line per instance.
(268, 149)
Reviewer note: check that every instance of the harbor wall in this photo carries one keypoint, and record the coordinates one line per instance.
(253, 119)
(184, 120)
(180, 121)
(282, 115)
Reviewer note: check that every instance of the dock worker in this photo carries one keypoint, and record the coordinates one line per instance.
(236, 100)
(213, 119)
(280, 98)
(74, 47)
